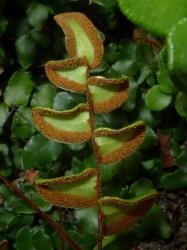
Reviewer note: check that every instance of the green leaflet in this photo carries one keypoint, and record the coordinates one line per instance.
(156, 99)
(177, 54)
(181, 104)
(107, 94)
(165, 83)
(119, 214)
(70, 74)
(155, 16)
(77, 191)
(18, 89)
(82, 38)
(70, 126)
(114, 145)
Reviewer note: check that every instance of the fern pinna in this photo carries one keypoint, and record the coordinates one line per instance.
(84, 190)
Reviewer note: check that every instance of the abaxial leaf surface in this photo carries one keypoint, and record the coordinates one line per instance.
(114, 145)
(82, 38)
(70, 126)
(70, 74)
(119, 213)
(76, 191)
(107, 94)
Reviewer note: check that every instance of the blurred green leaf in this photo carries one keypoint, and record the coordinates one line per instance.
(3, 115)
(26, 50)
(41, 241)
(87, 220)
(5, 217)
(141, 13)
(41, 39)
(155, 222)
(177, 54)
(37, 14)
(165, 82)
(15, 205)
(24, 239)
(67, 100)
(3, 25)
(150, 139)
(39, 151)
(125, 67)
(156, 100)
(44, 96)
(127, 168)
(174, 180)
(22, 125)
(141, 187)
(131, 101)
(181, 104)
(104, 3)
(182, 158)
(18, 90)
(151, 118)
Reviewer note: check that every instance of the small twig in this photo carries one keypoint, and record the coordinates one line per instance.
(63, 235)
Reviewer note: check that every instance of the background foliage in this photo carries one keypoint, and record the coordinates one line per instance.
(28, 39)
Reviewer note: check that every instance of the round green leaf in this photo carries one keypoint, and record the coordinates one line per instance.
(44, 96)
(37, 14)
(26, 50)
(22, 125)
(155, 222)
(87, 220)
(165, 82)
(66, 100)
(141, 187)
(156, 16)
(174, 180)
(42, 241)
(19, 88)
(156, 100)
(39, 151)
(24, 239)
(181, 104)
(177, 55)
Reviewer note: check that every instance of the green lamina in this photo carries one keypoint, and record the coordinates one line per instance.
(76, 123)
(84, 45)
(78, 74)
(101, 94)
(157, 16)
(113, 212)
(84, 188)
(177, 47)
(110, 144)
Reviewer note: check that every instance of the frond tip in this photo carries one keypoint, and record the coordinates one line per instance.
(82, 38)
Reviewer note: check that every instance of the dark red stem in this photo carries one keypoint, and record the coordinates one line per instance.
(97, 157)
